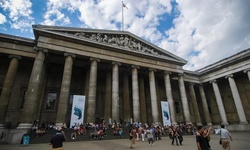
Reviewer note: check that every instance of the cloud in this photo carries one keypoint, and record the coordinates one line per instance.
(208, 31)
(2, 19)
(19, 13)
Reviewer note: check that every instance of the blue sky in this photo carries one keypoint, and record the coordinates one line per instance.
(199, 31)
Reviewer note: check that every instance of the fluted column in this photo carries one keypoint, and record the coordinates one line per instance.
(115, 91)
(170, 97)
(153, 96)
(30, 107)
(237, 100)
(7, 87)
(92, 90)
(248, 73)
(219, 102)
(195, 105)
(143, 106)
(65, 89)
(184, 99)
(135, 94)
(108, 96)
(205, 106)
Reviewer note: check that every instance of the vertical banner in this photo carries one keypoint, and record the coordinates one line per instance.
(77, 112)
(165, 113)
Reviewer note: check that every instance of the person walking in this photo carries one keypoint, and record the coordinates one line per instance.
(57, 140)
(225, 136)
(174, 136)
(131, 137)
(200, 139)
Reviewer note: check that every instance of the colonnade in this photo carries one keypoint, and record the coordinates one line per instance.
(30, 108)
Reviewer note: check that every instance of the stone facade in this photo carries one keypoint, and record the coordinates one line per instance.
(121, 75)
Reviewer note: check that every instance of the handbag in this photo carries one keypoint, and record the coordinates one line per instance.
(220, 138)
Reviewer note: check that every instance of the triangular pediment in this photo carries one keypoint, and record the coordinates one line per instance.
(122, 40)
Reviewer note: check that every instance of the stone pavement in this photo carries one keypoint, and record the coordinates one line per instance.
(240, 141)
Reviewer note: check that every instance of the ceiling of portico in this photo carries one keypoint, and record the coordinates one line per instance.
(117, 40)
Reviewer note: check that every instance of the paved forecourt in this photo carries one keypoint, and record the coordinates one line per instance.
(240, 142)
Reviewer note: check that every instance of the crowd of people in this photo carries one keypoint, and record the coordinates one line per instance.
(152, 132)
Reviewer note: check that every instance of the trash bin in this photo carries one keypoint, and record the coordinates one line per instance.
(26, 139)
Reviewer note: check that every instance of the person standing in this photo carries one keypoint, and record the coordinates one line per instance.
(200, 139)
(57, 140)
(206, 135)
(150, 135)
(225, 136)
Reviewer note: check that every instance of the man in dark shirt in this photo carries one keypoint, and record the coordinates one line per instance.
(200, 140)
(58, 139)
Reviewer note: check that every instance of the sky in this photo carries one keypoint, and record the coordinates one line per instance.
(200, 31)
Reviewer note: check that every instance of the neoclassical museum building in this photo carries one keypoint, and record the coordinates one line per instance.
(121, 75)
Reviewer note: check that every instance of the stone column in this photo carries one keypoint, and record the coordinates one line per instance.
(30, 107)
(115, 92)
(7, 87)
(108, 96)
(153, 96)
(170, 97)
(184, 99)
(143, 106)
(65, 90)
(92, 90)
(135, 94)
(237, 100)
(126, 96)
(205, 106)
(219, 102)
(195, 105)
(248, 73)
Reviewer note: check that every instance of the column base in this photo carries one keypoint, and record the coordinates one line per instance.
(224, 123)
(243, 122)
(209, 124)
(24, 126)
(2, 126)
(59, 124)
(199, 124)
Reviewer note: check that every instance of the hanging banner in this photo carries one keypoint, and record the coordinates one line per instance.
(77, 112)
(165, 113)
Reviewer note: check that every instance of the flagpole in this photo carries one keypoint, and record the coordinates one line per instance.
(122, 17)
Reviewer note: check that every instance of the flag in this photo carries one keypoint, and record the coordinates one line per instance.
(124, 5)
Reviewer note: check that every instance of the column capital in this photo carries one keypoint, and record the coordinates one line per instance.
(191, 83)
(229, 76)
(69, 54)
(246, 70)
(213, 81)
(36, 48)
(151, 69)
(135, 66)
(94, 59)
(181, 74)
(15, 56)
(167, 72)
(116, 63)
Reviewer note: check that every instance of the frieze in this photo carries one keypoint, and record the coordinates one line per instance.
(119, 40)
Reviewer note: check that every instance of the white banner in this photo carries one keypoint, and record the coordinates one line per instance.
(165, 113)
(77, 112)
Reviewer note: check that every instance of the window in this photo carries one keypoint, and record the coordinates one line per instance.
(177, 107)
(51, 100)
(24, 92)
